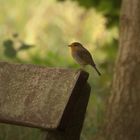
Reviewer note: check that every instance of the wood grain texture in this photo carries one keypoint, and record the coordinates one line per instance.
(35, 96)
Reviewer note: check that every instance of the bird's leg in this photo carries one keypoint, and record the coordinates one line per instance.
(82, 68)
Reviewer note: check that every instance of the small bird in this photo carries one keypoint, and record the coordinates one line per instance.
(82, 55)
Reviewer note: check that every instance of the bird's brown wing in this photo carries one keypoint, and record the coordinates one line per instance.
(85, 56)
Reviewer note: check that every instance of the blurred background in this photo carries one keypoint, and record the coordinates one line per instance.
(38, 32)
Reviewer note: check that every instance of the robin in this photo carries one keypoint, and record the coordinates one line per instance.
(82, 55)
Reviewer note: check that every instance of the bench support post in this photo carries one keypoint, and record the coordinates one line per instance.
(73, 126)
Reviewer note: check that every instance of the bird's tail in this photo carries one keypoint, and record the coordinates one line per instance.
(94, 66)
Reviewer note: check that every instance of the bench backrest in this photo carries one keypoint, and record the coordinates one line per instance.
(42, 97)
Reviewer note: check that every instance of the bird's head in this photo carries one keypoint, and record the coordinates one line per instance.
(75, 45)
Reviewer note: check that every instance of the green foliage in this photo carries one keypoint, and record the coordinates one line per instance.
(12, 132)
(9, 50)
(109, 8)
(50, 26)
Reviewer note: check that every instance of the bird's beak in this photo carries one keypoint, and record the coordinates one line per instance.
(69, 45)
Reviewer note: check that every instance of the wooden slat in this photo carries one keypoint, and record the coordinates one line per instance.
(35, 96)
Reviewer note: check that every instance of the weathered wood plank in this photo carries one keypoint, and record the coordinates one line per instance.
(72, 125)
(35, 96)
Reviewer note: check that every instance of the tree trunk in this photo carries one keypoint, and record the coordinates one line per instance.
(123, 110)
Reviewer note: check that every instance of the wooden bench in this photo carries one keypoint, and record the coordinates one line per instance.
(51, 99)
